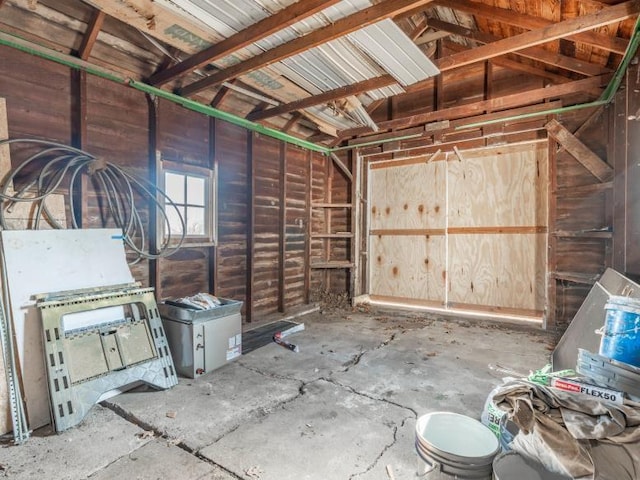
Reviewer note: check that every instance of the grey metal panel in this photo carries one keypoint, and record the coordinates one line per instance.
(143, 350)
(590, 317)
(203, 346)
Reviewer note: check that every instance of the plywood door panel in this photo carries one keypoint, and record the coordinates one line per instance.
(408, 197)
(493, 188)
(490, 205)
(408, 266)
(499, 270)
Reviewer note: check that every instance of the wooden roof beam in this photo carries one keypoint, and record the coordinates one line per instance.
(540, 36)
(91, 35)
(274, 23)
(510, 64)
(529, 22)
(325, 97)
(498, 103)
(344, 26)
(534, 53)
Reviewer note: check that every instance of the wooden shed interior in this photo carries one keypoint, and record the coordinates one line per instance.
(472, 156)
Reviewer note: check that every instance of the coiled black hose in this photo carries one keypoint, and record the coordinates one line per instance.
(117, 186)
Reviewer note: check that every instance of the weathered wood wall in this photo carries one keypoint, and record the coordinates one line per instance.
(263, 252)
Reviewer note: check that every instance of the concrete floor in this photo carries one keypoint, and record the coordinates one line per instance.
(344, 407)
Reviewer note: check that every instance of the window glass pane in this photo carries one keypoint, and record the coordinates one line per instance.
(175, 227)
(174, 187)
(195, 190)
(195, 221)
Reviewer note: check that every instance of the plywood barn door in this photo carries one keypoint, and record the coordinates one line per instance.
(462, 230)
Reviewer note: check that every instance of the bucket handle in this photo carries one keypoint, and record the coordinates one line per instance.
(600, 331)
(434, 465)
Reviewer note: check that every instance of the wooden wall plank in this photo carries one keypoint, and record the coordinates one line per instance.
(267, 200)
(297, 184)
(232, 211)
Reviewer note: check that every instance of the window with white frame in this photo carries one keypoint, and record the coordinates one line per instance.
(190, 194)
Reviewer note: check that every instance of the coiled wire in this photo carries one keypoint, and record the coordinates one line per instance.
(116, 186)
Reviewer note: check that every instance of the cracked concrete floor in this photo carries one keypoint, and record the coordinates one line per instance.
(344, 407)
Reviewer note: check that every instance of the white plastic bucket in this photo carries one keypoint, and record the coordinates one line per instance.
(450, 445)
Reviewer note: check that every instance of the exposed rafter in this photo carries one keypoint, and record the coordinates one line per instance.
(344, 26)
(91, 35)
(338, 93)
(539, 36)
(217, 100)
(534, 53)
(274, 23)
(529, 22)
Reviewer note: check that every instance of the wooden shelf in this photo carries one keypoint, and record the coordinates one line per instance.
(331, 205)
(332, 235)
(332, 265)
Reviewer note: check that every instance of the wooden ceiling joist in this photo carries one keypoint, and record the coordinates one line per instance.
(217, 100)
(540, 36)
(533, 53)
(493, 104)
(274, 23)
(344, 26)
(336, 94)
(529, 22)
(91, 35)
(291, 122)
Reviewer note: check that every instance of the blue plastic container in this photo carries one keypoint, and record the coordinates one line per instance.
(621, 333)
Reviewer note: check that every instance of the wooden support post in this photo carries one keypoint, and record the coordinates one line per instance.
(79, 138)
(354, 257)
(213, 251)
(5, 151)
(328, 214)
(282, 217)
(251, 215)
(438, 92)
(154, 218)
(439, 85)
(363, 215)
(550, 314)
(307, 241)
(617, 152)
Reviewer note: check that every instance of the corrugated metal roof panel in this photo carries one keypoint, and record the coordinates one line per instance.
(366, 54)
(395, 52)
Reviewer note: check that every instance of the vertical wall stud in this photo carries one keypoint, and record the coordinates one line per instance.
(550, 315)
(154, 170)
(307, 242)
(250, 226)
(213, 251)
(282, 218)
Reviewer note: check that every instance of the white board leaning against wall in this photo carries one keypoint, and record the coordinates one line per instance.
(463, 231)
